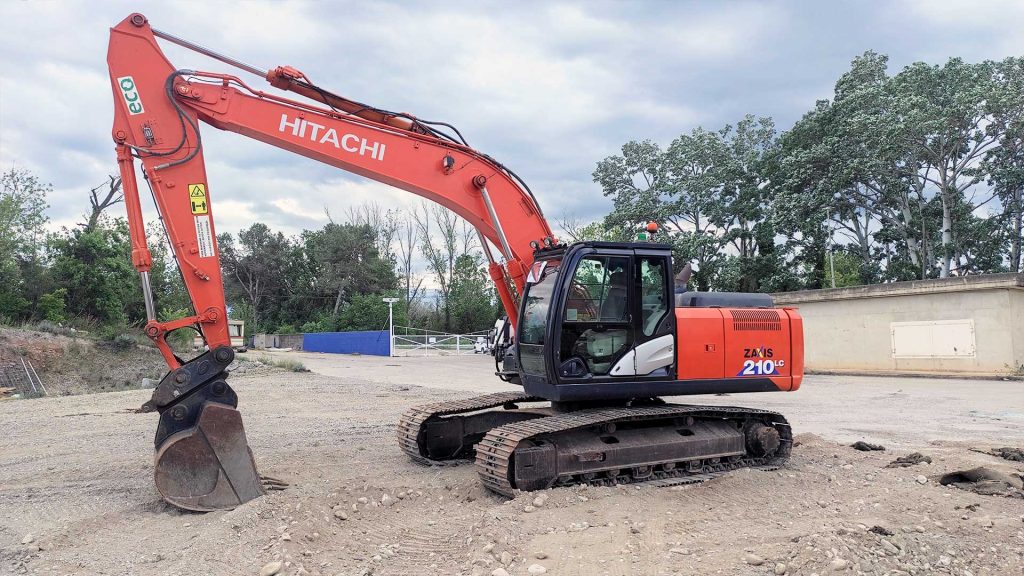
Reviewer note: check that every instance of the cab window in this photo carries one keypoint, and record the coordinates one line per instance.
(653, 293)
(595, 321)
(538, 300)
(598, 290)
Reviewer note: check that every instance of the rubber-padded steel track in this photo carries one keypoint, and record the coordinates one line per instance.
(411, 423)
(494, 454)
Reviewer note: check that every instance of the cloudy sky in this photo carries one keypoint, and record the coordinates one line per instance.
(548, 88)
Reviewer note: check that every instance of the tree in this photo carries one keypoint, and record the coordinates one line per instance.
(254, 268)
(112, 195)
(441, 251)
(947, 123)
(408, 239)
(472, 296)
(368, 312)
(22, 224)
(384, 223)
(742, 215)
(576, 231)
(805, 190)
(347, 261)
(1005, 164)
(871, 175)
(164, 276)
(95, 268)
(672, 188)
(846, 267)
(708, 190)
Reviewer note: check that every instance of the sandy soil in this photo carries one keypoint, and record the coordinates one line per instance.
(76, 493)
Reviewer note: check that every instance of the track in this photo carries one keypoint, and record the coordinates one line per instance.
(410, 425)
(495, 454)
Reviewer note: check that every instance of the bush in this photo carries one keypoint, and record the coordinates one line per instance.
(123, 342)
(285, 363)
(318, 326)
(86, 324)
(52, 305)
(53, 328)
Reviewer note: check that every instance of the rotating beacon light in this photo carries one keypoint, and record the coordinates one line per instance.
(647, 234)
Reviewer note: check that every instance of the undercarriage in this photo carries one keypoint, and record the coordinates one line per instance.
(524, 443)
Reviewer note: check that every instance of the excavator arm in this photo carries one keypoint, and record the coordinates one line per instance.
(203, 461)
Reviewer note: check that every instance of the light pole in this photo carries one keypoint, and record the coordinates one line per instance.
(391, 326)
(831, 258)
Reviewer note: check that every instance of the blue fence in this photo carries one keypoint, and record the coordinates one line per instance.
(376, 343)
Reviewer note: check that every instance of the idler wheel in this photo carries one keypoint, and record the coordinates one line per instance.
(762, 440)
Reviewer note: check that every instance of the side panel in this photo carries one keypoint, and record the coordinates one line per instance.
(701, 343)
(757, 343)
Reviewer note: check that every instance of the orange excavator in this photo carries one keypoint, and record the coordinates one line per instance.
(596, 336)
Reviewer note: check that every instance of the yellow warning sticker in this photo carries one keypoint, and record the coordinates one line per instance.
(197, 196)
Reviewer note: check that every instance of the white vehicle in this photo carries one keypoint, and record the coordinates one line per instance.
(481, 346)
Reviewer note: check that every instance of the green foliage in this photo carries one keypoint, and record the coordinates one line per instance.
(95, 268)
(321, 281)
(472, 296)
(709, 192)
(123, 342)
(22, 225)
(893, 173)
(180, 340)
(52, 328)
(286, 329)
(255, 269)
(316, 326)
(847, 270)
(52, 305)
(367, 312)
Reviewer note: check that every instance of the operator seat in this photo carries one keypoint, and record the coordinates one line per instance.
(613, 308)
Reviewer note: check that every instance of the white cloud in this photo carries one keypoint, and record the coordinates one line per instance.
(547, 88)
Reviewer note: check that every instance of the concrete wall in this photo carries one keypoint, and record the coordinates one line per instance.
(852, 328)
(293, 341)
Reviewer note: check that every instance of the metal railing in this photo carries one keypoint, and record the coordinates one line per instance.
(409, 341)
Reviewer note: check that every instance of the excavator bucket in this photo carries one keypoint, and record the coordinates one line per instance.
(203, 461)
(208, 466)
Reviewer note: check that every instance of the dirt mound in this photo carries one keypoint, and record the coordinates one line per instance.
(984, 481)
(70, 365)
(1011, 454)
(912, 459)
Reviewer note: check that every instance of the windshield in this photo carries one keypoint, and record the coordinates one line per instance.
(538, 301)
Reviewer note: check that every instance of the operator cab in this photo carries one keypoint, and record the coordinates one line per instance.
(598, 321)
(610, 310)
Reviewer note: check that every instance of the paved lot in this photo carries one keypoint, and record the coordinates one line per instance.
(892, 410)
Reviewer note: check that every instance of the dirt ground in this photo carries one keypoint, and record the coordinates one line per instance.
(76, 492)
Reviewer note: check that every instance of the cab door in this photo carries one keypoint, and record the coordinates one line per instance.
(616, 320)
(596, 319)
(653, 352)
